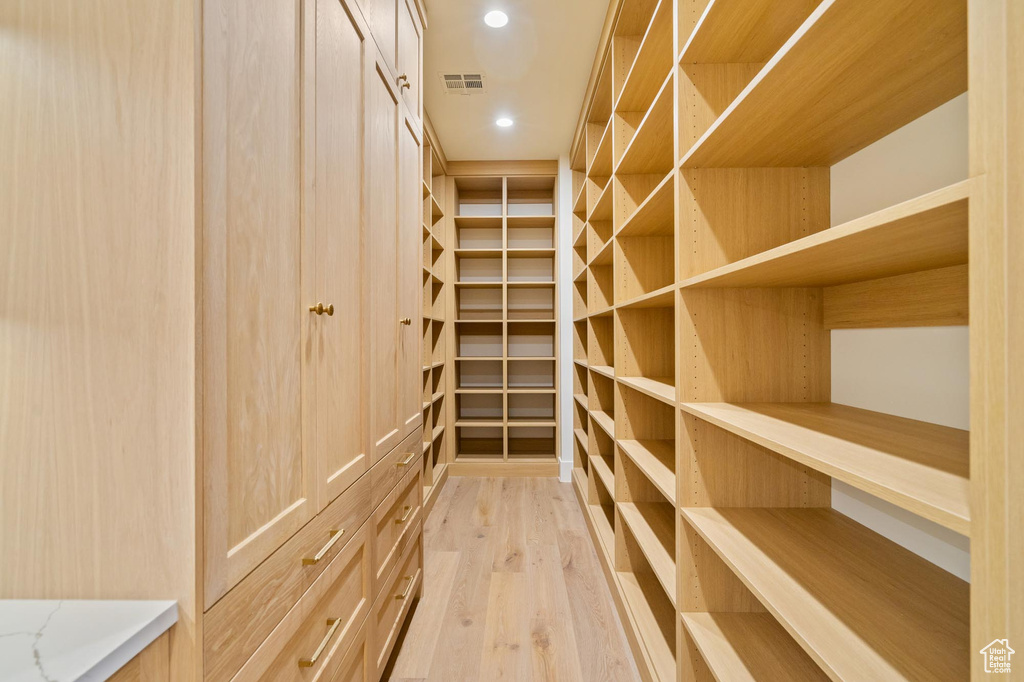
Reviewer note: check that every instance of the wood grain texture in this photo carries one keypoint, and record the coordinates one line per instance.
(98, 203)
(152, 664)
(853, 73)
(931, 298)
(545, 617)
(860, 605)
(743, 31)
(996, 116)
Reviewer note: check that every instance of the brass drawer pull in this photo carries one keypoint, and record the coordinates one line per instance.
(320, 309)
(406, 320)
(335, 623)
(403, 81)
(335, 536)
(407, 461)
(408, 513)
(405, 594)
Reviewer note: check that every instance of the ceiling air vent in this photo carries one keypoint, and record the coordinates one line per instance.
(462, 83)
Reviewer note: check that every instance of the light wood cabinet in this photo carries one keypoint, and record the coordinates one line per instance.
(338, 343)
(409, 278)
(409, 51)
(258, 475)
(382, 240)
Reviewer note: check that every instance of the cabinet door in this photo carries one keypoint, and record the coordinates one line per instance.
(259, 487)
(382, 241)
(338, 369)
(409, 51)
(381, 16)
(410, 279)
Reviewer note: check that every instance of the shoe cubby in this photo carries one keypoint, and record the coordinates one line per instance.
(476, 304)
(479, 197)
(481, 233)
(579, 340)
(531, 373)
(484, 408)
(601, 342)
(482, 340)
(478, 270)
(480, 443)
(531, 302)
(531, 267)
(534, 408)
(579, 298)
(601, 401)
(531, 443)
(645, 430)
(479, 374)
(645, 345)
(526, 233)
(601, 289)
(531, 339)
(530, 196)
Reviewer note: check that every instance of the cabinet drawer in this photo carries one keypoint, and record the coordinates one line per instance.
(357, 666)
(386, 473)
(392, 525)
(311, 641)
(243, 618)
(392, 605)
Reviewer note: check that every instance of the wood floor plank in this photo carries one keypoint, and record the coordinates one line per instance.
(525, 596)
(553, 651)
(505, 654)
(510, 543)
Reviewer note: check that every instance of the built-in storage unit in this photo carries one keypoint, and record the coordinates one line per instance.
(217, 211)
(502, 236)
(706, 280)
(436, 291)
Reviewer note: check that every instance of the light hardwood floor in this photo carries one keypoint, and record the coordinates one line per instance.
(512, 591)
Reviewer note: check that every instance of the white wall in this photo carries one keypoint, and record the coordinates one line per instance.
(564, 324)
(919, 373)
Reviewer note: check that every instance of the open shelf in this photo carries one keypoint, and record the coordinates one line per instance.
(652, 63)
(535, 408)
(480, 443)
(481, 409)
(915, 465)
(645, 341)
(531, 303)
(531, 373)
(647, 151)
(478, 197)
(656, 459)
(744, 31)
(530, 195)
(655, 214)
(923, 233)
(601, 165)
(860, 605)
(601, 449)
(852, 73)
(653, 525)
(604, 420)
(479, 373)
(649, 609)
(745, 647)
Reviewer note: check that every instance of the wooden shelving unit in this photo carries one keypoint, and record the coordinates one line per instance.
(503, 240)
(434, 322)
(706, 279)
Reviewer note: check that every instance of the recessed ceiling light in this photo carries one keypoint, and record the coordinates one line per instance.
(503, 122)
(496, 18)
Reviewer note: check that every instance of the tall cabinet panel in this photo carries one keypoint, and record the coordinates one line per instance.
(338, 338)
(259, 488)
(380, 15)
(382, 234)
(408, 66)
(410, 220)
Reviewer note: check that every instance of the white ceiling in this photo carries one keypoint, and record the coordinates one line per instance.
(535, 70)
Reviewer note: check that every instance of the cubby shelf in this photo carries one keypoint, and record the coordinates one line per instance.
(659, 388)
(581, 436)
(602, 162)
(604, 420)
(652, 63)
(915, 465)
(647, 151)
(603, 471)
(604, 370)
(851, 73)
(656, 459)
(744, 31)
(660, 651)
(655, 214)
(745, 647)
(653, 526)
(602, 209)
(860, 605)
(659, 298)
(923, 233)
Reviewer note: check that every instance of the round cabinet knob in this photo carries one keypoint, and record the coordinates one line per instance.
(320, 309)
(403, 80)
(406, 320)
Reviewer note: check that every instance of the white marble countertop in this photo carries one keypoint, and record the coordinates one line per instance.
(76, 639)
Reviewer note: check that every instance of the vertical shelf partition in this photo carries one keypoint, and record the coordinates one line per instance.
(436, 290)
(504, 236)
(706, 280)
